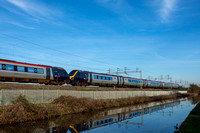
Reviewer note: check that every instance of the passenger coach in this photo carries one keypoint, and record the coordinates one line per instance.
(31, 73)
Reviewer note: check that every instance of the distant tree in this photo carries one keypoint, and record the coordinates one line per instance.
(194, 89)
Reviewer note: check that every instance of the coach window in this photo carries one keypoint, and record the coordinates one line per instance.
(3, 66)
(104, 78)
(35, 70)
(30, 70)
(0, 66)
(110, 78)
(107, 78)
(95, 76)
(10, 67)
(20, 69)
(99, 77)
(40, 70)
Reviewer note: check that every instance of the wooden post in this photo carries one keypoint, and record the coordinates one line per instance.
(2, 102)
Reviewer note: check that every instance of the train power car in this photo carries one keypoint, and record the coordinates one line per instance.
(13, 71)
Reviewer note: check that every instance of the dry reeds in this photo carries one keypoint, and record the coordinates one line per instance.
(22, 110)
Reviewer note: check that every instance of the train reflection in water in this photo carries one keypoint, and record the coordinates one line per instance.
(114, 116)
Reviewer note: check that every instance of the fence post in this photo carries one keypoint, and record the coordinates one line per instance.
(42, 96)
(57, 94)
(2, 97)
(24, 92)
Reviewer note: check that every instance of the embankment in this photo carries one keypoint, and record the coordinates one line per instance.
(22, 110)
(192, 122)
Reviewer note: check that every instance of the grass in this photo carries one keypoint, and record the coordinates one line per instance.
(22, 110)
(192, 122)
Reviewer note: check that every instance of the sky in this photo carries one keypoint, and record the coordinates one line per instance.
(158, 37)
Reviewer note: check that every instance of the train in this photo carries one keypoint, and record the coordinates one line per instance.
(13, 71)
(79, 78)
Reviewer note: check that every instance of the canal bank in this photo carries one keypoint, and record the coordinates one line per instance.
(192, 122)
(143, 118)
(22, 110)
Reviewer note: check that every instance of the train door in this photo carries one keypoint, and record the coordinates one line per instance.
(119, 117)
(90, 77)
(118, 80)
(47, 73)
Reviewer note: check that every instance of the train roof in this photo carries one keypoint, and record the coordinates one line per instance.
(23, 63)
(97, 73)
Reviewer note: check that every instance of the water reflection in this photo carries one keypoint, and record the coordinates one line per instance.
(88, 121)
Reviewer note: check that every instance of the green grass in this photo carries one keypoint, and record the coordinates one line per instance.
(192, 122)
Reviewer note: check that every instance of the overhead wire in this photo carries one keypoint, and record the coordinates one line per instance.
(67, 53)
(60, 57)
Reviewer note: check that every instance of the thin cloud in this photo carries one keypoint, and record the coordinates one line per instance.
(166, 9)
(35, 9)
(120, 7)
(21, 25)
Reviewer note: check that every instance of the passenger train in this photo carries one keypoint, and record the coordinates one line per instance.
(13, 71)
(78, 78)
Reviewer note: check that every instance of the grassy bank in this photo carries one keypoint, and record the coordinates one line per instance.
(22, 110)
(192, 122)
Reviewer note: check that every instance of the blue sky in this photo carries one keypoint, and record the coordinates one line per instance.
(159, 37)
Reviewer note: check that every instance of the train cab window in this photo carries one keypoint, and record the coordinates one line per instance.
(60, 73)
(10, 67)
(0, 66)
(40, 70)
(31, 70)
(20, 69)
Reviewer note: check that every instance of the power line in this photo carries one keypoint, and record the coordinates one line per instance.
(44, 60)
(67, 53)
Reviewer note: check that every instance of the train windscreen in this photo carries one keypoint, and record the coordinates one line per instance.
(59, 72)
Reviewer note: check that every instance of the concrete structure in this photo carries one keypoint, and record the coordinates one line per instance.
(45, 96)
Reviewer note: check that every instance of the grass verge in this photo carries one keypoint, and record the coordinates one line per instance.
(22, 110)
(192, 122)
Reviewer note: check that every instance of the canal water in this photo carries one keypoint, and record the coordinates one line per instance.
(156, 117)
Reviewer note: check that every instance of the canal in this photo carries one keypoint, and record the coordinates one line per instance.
(158, 117)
